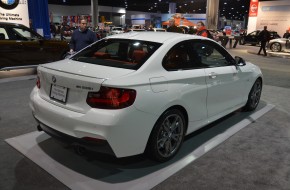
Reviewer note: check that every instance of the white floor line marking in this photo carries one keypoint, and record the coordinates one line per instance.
(28, 145)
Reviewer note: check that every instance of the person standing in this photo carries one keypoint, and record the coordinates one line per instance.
(287, 34)
(52, 29)
(172, 27)
(201, 29)
(264, 37)
(82, 37)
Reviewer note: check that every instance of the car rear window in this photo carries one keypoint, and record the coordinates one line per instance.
(121, 53)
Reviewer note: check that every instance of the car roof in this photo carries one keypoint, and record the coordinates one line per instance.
(263, 29)
(152, 36)
(10, 24)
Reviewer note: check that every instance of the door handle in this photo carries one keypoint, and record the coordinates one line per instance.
(212, 75)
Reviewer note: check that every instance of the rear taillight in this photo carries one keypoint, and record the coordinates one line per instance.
(38, 81)
(111, 98)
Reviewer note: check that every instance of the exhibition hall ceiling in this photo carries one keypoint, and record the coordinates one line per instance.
(230, 9)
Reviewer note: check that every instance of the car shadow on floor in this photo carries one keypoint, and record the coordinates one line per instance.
(112, 170)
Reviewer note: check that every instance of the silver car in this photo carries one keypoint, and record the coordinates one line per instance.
(279, 44)
(116, 30)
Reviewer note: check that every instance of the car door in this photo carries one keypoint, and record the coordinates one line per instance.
(225, 82)
(33, 51)
(187, 80)
(252, 38)
(10, 51)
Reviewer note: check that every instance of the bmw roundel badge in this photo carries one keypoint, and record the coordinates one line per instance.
(9, 4)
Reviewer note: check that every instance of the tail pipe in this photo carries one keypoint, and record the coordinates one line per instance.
(80, 150)
(39, 128)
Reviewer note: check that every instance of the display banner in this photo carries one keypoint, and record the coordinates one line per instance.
(253, 11)
(14, 11)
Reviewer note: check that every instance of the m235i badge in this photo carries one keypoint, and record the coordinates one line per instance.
(9, 4)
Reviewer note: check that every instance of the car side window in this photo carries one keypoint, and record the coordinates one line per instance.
(255, 33)
(3, 34)
(23, 34)
(210, 54)
(180, 57)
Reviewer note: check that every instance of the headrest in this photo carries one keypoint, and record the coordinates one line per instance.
(138, 55)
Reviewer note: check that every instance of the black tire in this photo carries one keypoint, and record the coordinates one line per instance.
(276, 47)
(167, 136)
(254, 96)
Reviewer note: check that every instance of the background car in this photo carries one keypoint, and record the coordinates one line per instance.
(280, 44)
(142, 92)
(184, 28)
(252, 38)
(22, 47)
(159, 30)
(136, 30)
(116, 30)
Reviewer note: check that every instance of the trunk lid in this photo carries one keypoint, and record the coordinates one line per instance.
(66, 83)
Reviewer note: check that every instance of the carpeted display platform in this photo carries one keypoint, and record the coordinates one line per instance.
(95, 171)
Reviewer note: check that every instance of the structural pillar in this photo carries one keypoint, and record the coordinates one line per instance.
(212, 14)
(172, 8)
(95, 13)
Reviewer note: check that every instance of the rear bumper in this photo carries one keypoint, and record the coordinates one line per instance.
(125, 131)
(101, 147)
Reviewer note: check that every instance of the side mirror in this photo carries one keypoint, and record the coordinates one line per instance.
(240, 61)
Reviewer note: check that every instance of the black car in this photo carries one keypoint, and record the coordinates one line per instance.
(252, 38)
(22, 47)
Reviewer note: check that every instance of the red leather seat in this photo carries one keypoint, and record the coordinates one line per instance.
(138, 55)
(102, 55)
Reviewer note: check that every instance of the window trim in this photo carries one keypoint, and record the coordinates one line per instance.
(188, 44)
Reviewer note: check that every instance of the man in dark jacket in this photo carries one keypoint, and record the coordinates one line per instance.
(82, 37)
(264, 37)
(173, 28)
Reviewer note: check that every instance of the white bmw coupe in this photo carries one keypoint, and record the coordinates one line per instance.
(142, 92)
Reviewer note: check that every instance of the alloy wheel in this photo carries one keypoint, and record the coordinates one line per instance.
(170, 135)
(276, 47)
(255, 94)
